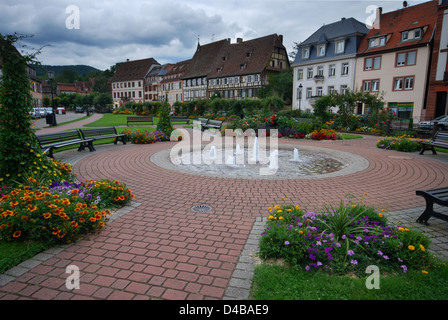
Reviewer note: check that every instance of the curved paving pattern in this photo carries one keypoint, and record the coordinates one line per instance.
(161, 249)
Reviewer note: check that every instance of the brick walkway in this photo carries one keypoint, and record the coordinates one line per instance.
(159, 249)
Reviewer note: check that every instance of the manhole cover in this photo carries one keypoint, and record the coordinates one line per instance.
(201, 208)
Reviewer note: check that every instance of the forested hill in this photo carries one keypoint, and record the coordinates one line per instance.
(81, 70)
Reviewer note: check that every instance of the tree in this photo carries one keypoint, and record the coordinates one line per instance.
(164, 124)
(20, 152)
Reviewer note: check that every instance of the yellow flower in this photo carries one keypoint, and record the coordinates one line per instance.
(380, 215)
(400, 229)
(280, 218)
(422, 248)
(270, 217)
(424, 272)
(297, 207)
(279, 211)
(411, 247)
(354, 205)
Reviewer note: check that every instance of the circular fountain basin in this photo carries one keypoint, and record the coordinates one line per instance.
(312, 162)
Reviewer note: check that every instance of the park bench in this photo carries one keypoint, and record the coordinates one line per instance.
(139, 119)
(51, 141)
(103, 133)
(439, 196)
(210, 124)
(439, 140)
(180, 119)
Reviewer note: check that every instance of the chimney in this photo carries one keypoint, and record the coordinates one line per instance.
(376, 23)
(280, 38)
(239, 40)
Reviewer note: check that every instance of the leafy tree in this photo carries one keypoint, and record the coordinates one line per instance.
(20, 153)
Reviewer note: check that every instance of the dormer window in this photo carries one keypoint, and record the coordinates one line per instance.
(306, 53)
(377, 42)
(409, 35)
(340, 46)
(321, 50)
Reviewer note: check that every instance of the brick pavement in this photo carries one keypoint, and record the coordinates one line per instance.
(159, 249)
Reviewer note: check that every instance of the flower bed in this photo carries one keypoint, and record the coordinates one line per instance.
(344, 239)
(404, 143)
(144, 137)
(61, 212)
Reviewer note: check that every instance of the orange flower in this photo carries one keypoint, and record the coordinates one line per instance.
(47, 215)
(17, 234)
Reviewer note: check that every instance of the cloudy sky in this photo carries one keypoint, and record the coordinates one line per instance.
(100, 33)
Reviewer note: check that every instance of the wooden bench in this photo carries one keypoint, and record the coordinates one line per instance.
(210, 124)
(439, 140)
(51, 141)
(139, 119)
(180, 119)
(103, 133)
(439, 196)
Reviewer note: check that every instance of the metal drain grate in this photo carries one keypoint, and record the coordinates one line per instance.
(201, 208)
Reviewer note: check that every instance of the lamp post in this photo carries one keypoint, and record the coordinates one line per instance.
(300, 96)
(53, 116)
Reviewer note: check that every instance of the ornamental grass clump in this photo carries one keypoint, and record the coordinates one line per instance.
(344, 239)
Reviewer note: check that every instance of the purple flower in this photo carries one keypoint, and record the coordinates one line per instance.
(350, 252)
(354, 262)
(286, 242)
(405, 269)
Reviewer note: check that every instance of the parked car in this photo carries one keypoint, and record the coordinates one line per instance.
(49, 110)
(79, 110)
(34, 115)
(427, 125)
(37, 113)
(60, 110)
(43, 112)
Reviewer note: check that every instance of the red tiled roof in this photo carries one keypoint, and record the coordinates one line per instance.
(133, 70)
(205, 58)
(254, 55)
(391, 25)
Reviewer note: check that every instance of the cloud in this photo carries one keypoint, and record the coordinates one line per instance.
(113, 31)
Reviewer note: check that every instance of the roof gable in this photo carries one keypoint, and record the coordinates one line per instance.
(392, 24)
(133, 70)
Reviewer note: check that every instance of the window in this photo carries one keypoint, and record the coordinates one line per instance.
(320, 70)
(330, 90)
(366, 85)
(408, 83)
(305, 53)
(340, 46)
(343, 89)
(377, 42)
(309, 93)
(300, 74)
(404, 35)
(411, 34)
(372, 63)
(371, 85)
(406, 58)
(404, 83)
(345, 68)
(310, 73)
(319, 91)
(332, 70)
(321, 50)
(398, 84)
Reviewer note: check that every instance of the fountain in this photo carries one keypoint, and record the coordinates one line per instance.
(296, 157)
(252, 158)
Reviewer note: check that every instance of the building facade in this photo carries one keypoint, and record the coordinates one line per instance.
(242, 68)
(326, 62)
(437, 102)
(394, 58)
(172, 84)
(127, 84)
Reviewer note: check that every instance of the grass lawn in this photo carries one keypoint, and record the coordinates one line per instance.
(348, 136)
(115, 120)
(273, 282)
(13, 253)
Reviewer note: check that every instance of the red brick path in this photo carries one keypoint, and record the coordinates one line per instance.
(161, 249)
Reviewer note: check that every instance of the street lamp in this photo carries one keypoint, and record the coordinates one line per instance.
(300, 95)
(53, 117)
